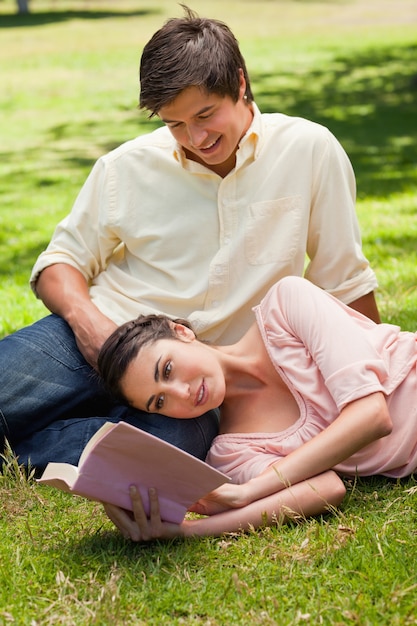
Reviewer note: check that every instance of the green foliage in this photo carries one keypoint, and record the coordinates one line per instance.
(69, 93)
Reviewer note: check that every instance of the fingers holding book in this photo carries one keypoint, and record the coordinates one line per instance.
(136, 525)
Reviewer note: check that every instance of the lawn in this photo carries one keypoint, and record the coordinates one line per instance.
(68, 94)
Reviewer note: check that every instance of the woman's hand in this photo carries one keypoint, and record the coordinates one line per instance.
(306, 498)
(228, 496)
(136, 526)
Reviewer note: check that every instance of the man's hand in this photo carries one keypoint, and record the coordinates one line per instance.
(64, 290)
(91, 329)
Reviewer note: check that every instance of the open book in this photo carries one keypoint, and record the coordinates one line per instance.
(120, 455)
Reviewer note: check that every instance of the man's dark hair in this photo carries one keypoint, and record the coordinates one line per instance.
(190, 52)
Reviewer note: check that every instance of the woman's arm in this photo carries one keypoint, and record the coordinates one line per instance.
(305, 499)
(360, 423)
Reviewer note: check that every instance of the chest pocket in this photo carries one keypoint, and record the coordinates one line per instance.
(273, 230)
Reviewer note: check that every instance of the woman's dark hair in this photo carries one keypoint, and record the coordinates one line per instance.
(124, 344)
(190, 52)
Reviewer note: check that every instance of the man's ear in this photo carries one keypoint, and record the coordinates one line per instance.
(183, 333)
(242, 84)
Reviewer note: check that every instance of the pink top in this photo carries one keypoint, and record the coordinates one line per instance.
(329, 355)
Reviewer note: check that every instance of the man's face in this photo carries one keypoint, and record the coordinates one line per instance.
(208, 126)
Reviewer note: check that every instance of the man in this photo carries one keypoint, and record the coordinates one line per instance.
(196, 219)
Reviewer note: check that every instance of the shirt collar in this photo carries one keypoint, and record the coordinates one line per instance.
(250, 143)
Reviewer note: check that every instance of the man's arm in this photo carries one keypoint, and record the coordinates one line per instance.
(64, 291)
(367, 306)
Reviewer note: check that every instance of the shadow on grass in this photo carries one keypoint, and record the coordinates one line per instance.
(369, 101)
(105, 548)
(111, 542)
(52, 17)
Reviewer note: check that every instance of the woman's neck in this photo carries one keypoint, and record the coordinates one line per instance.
(246, 365)
(257, 399)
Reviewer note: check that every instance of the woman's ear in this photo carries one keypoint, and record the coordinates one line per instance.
(183, 333)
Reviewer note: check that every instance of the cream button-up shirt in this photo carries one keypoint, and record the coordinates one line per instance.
(153, 231)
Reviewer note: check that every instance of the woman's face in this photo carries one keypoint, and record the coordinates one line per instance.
(176, 377)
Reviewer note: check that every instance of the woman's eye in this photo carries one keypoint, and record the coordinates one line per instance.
(167, 369)
(159, 402)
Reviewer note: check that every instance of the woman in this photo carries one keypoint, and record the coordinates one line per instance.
(312, 386)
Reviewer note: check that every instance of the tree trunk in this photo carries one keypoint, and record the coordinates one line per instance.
(23, 6)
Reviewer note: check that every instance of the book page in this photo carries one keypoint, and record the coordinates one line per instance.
(61, 475)
(94, 440)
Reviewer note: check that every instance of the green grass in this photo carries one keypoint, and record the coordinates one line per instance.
(68, 94)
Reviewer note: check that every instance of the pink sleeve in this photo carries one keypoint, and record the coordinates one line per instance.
(306, 328)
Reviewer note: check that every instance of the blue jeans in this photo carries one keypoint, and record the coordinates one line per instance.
(52, 401)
